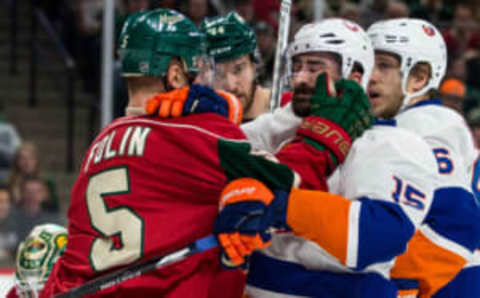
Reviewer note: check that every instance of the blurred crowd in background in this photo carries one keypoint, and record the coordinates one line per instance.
(28, 196)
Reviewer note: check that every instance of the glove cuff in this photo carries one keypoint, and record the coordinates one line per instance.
(278, 210)
(327, 133)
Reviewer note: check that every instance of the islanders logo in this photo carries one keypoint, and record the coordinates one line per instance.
(351, 26)
(428, 30)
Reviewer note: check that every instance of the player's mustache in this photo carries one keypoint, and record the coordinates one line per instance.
(303, 90)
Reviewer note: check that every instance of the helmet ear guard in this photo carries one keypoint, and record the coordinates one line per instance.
(413, 41)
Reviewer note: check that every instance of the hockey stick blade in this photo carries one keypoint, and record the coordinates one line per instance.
(124, 274)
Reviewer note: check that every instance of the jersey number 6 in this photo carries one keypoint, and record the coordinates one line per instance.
(119, 223)
(445, 164)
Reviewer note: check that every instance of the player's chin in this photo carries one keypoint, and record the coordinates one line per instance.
(375, 101)
(242, 98)
(301, 108)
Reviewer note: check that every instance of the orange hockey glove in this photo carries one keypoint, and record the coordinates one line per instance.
(195, 99)
(248, 212)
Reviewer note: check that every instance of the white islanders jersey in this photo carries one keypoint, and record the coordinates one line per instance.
(391, 190)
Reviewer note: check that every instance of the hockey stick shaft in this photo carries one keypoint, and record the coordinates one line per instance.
(122, 275)
(282, 40)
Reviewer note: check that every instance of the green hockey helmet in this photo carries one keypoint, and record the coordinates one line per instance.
(149, 40)
(36, 256)
(228, 37)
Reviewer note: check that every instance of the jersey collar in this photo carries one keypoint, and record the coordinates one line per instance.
(433, 101)
(387, 122)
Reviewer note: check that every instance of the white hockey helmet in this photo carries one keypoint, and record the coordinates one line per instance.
(414, 41)
(342, 37)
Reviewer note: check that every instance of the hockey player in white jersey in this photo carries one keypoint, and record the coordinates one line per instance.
(386, 186)
(410, 62)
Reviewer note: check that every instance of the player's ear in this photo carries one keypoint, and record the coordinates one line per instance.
(418, 78)
(176, 76)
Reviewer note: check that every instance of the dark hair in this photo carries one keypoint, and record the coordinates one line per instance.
(357, 67)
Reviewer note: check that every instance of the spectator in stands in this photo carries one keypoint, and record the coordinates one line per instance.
(246, 10)
(439, 12)
(397, 9)
(457, 67)
(266, 45)
(8, 237)
(171, 4)
(372, 11)
(464, 33)
(26, 164)
(267, 11)
(34, 193)
(89, 23)
(473, 120)
(453, 92)
(197, 10)
(349, 11)
(9, 143)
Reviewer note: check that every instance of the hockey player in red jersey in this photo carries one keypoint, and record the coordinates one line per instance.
(232, 43)
(148, 186)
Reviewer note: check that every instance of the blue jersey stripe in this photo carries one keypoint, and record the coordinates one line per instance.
(454, 214)
(465, 284)
(289, 278)
(475, 180)
(406, 284)
(384, 231)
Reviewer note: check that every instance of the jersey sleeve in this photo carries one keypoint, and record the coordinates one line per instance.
(384, 192)
(312, 165)
(452, 227)
(12, 293)
(444, 243)
(269, 131)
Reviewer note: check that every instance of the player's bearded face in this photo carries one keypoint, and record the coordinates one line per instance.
(304, 72)
(236, 76)
(385, 86)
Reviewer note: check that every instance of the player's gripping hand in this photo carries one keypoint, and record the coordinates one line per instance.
(194, 100)
(249, 212)
(339, 113)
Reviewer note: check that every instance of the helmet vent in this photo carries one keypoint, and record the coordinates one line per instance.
(328, 35)
(390, 38)
(336, 41)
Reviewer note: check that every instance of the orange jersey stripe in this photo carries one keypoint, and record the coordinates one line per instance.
(432, 266)
(320, 217)
(411, 293)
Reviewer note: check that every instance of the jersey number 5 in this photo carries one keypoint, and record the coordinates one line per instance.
(120, 228)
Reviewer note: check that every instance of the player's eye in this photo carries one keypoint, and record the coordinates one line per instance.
(384, 66)
(296, 66)
(238, 69)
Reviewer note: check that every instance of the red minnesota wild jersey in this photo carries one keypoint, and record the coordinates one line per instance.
(148, 187)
